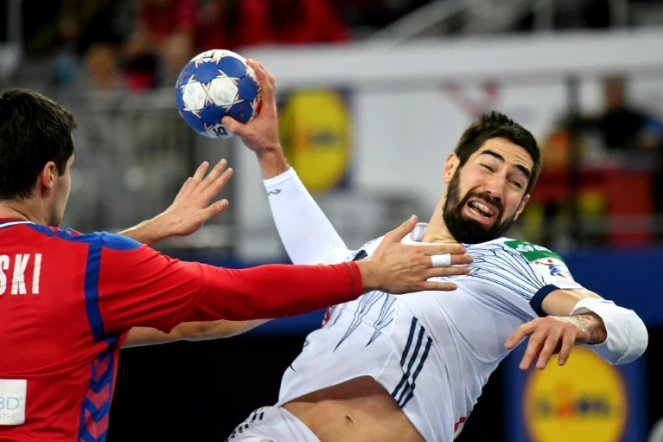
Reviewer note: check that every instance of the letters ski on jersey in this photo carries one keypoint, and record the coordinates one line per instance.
(15, 282)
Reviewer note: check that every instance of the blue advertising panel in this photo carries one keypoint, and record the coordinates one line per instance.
(585, 400)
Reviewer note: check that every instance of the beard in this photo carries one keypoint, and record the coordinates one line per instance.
(467, 230)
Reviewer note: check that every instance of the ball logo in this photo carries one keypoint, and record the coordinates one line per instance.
(583, 400)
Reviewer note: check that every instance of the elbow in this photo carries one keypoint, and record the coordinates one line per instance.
(635, 341)
(627, 337)
(639, 339)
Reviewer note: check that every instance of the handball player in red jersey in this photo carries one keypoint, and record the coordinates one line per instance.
(68, 300)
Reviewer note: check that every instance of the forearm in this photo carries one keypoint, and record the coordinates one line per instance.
(204, 331)
(274, 291)
(273, 162)
(306, 233)
(594, 324)
(148, 232)
(189, 331)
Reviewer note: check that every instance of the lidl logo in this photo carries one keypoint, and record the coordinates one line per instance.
(315, 127)
(585, 400)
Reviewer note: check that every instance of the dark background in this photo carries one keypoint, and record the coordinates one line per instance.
(201, 390)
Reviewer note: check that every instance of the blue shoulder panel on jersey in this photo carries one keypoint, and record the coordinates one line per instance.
(105, 239)
(118, 242)
(96, 242)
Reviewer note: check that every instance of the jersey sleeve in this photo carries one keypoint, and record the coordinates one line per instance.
(129, 284)
(521, 274)
(305, 231)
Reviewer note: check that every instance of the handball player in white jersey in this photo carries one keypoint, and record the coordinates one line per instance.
(411, 368)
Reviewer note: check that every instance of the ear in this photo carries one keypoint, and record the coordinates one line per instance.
(47, 177)
(450, 166)
(523, 203)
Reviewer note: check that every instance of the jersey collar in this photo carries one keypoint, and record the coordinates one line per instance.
(8, 222)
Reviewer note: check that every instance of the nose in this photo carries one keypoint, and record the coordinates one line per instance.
(494, 186)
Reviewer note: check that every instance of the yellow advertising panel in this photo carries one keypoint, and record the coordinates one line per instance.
(315, 131)
(585, 400)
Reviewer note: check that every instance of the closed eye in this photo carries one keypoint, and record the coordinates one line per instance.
(517, 184)
(487, 167)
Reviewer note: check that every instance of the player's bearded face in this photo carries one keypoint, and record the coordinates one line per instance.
(468, 230)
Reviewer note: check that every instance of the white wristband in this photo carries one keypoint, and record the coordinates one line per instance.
(627, 335)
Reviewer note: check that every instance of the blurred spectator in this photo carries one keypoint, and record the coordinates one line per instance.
(632, 133)
(235, 24)
(365, 13)
(622, 142)
(621, 125)
(103, 68)
(162, 41)
(306, 21)
(85, 22)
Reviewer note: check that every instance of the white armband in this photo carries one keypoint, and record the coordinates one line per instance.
(627, 335)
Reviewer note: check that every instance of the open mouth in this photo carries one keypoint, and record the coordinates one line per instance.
(481, 211)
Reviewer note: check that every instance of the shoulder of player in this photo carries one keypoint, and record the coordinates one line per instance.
(542, 260)
(517, 251)
(96, 239)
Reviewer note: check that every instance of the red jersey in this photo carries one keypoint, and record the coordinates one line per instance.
(68, 300)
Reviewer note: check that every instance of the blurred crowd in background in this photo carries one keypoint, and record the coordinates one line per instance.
(142, 44)
(120, 48)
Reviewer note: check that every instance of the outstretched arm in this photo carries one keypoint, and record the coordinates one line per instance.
(579, 316)
(306, 233)
(189, 331)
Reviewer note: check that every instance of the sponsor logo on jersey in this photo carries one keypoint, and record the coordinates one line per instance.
(585, 400)
(540, 256)
(532, 252)
(555, 267)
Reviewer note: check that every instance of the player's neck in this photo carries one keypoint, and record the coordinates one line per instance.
(23, 210)
(437, 231)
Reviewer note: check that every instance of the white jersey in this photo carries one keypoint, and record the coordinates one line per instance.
(432, 351)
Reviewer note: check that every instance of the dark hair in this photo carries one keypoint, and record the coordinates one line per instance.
(498, 125)
(33, 131)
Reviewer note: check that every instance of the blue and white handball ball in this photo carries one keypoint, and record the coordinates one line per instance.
(212, 85)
